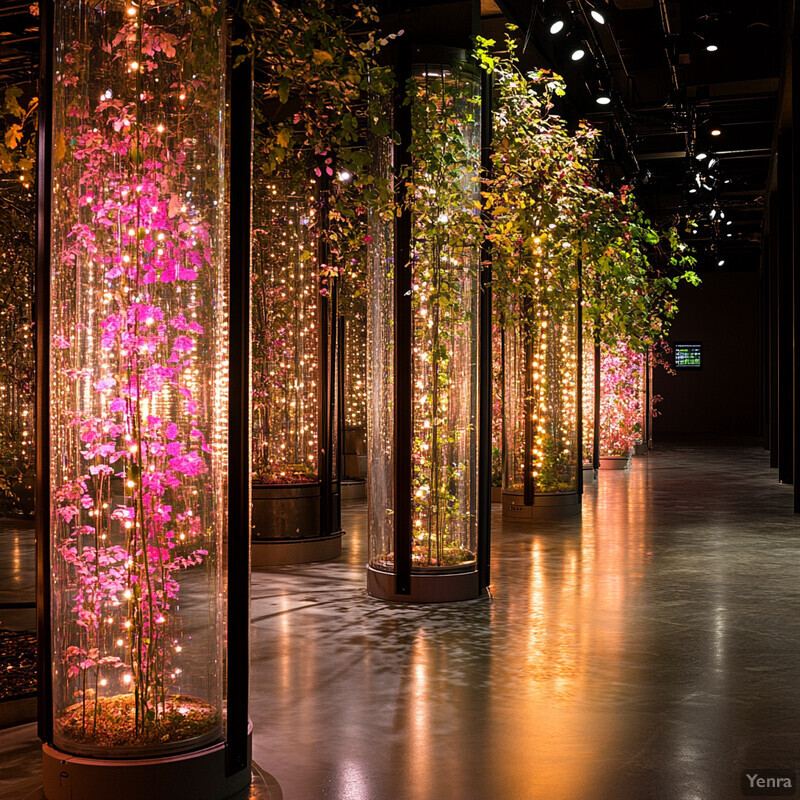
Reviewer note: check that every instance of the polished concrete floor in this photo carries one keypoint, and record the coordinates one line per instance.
(649, 650)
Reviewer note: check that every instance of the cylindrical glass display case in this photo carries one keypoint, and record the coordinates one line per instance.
(17, 361)
(353, 327)
(423, 346)
(295, 488)
(542, 476)
(589, 397)
(137, 450)
(621, 411)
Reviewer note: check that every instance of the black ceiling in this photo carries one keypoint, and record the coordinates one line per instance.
(19, 42)
(668, 92)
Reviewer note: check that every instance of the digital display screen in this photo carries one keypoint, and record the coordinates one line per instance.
(689, 355)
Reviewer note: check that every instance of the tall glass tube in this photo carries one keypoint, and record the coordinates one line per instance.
(295, 428)
(621, 408)
(541, 394)
(438, 511)
(139, 378)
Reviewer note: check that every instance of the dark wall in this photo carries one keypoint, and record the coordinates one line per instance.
(722, 397)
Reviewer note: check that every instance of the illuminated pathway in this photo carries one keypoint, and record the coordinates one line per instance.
(650, 651)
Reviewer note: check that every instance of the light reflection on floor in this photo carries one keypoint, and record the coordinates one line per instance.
(647, 651)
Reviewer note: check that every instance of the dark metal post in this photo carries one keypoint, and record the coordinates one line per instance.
(785, 321)
(44, 184)
(403, 332)
(773, 329)
(485, 351)
(238, 586)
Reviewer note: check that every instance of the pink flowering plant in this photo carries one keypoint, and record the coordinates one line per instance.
(621, 410)
(138, 362)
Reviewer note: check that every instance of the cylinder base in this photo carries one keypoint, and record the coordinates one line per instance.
(615, 462)
(545, 506)
(448, 588)
(200, 775)
(277, 552)
(353, 489)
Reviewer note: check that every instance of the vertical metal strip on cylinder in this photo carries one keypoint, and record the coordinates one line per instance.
(238, 595)
(403, 331)
(44, 184)
(485, 351)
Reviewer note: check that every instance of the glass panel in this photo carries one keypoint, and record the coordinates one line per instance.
(380, 374)
(17, 366)
(139, 377)
(588, 398)
(621, 410)
(445, 294)
(541, 386)
(285, 334)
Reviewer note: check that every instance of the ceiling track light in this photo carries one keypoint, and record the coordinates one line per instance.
(556, 25)
(597, 17)
(577, 52)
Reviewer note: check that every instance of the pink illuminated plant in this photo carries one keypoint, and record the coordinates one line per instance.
(134, 230)
(621, 412)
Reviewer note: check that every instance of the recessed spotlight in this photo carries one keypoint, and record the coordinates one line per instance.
(602, 100)
(715, 132)
(712, 48)
(556, 26)
(721, 262)
(577, 53)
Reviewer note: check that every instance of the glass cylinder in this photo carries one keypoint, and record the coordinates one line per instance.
(139, 379)
(423, 323)
(621, 408)
(353, 322)
(588, 402)
(17, 365)
(542, 446)
(295, 428)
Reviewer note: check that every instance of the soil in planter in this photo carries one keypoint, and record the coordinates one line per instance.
(113, 725)
(17, 664)
(451, 557)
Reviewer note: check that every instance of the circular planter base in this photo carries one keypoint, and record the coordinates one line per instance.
(447, 588)
(200, 775)
(353, 490)
(545, 507)
(286, 525)
(615, 462)
(277, 552)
